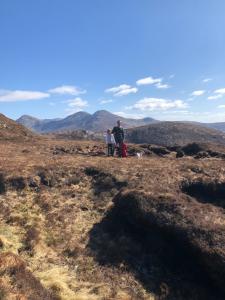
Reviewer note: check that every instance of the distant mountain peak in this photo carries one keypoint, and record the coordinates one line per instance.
(81, 112)
(102, 112)
(27, 117)
(99, 121)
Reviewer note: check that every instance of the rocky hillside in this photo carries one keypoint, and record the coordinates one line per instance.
(10, 130)
(174, 133)
(80, 135)
(99, 121)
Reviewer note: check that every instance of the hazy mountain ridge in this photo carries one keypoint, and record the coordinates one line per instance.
(219, 126)
(99, 121)
(35, 124)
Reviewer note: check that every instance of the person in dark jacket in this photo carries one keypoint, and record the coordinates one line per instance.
(118, 133)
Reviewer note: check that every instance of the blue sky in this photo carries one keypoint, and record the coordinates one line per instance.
(138, 58)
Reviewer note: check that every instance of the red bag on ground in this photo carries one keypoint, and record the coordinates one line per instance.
(124, 150)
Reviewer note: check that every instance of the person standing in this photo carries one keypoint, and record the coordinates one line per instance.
(110, 141)
(118, 133)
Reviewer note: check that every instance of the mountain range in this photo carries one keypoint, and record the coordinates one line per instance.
(219, 126)
(155, 132)
(99, 121)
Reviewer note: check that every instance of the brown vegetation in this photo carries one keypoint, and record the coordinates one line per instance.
(10, 130)
(174, 133)
(19, 283)
(75, 224)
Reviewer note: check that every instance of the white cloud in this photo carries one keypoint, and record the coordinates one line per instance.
(182, 115)
(215, 97)
(170, 112)
(105, 101)
(148, 80)
(130, 116)
(217, 94)
(221, 106)
(77, 103)
(127, 92)
(152, 104)
(20, 95)
(198, 93)
(157, 82)
(162, 86)
(200, 116)
(220, 91)
(122, 90)
(117, 89)
(67, 90)
(207, 80)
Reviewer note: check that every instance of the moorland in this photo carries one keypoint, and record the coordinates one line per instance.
(75, 224)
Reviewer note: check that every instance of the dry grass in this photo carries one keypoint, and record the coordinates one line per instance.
(51, 205)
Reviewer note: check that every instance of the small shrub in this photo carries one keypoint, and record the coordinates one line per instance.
(159, 150)
(34, 182)
(47, 179)
(31, 238)
(2, 294)
(52, 239)
(192, 149)
(72, 181)
(202, 154)
(72, 252)
(179, 154)
(206, 191)
(17, 183)
(104, 182)
(2, 184)
(91, 171)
